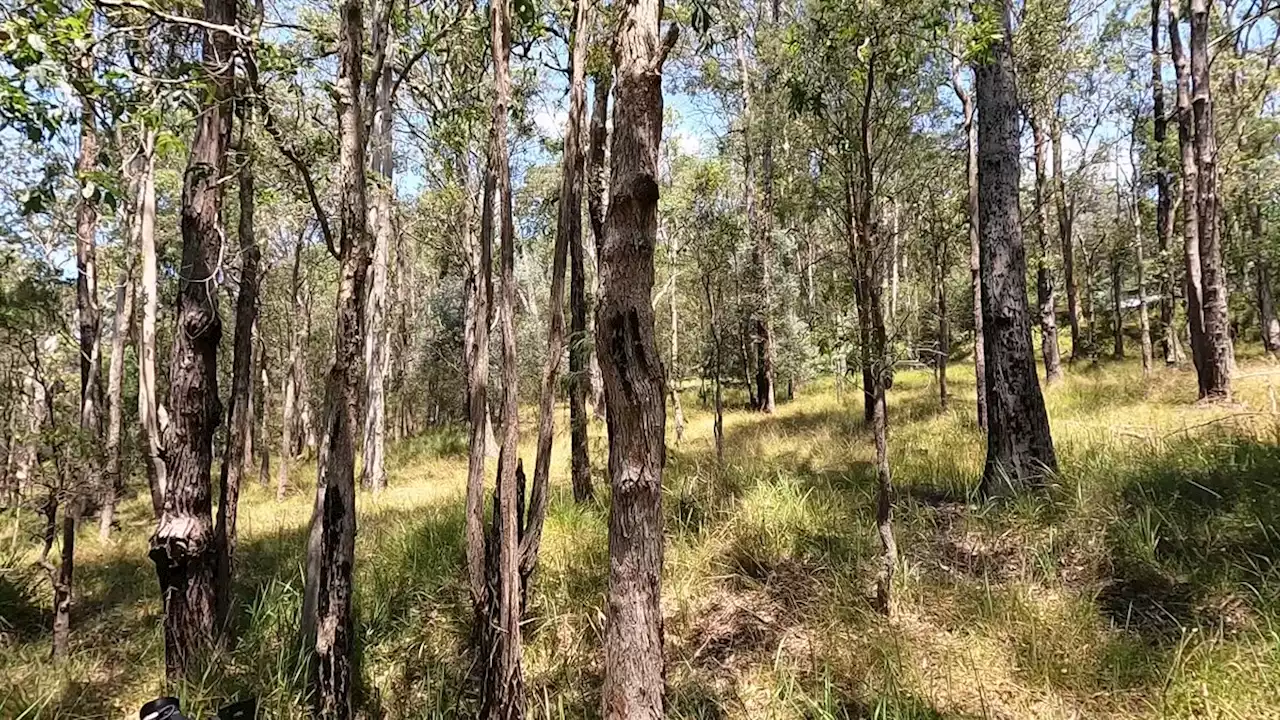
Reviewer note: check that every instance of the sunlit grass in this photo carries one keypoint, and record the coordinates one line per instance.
(1141, 584)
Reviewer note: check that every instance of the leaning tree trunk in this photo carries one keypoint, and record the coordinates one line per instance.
(975, 267)
(568, 232)
(334, 522)
(1194, 290)
(634, 674)
(183, 547)
(1044, 279)
(1019, 446)
(1219, 356)
(240, 403)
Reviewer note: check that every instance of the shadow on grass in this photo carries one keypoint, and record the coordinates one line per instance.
(1194, 541)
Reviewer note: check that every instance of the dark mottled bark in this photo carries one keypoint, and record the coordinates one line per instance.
(334, 522)
(183, 547)
(1019, 446)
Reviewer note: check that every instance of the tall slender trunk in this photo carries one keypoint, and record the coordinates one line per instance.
(975, 270)
(183, 545)
(634, 674)
(1219, 355)
(1117, 304)
(1144, 321)
(877, 367)
(377, 343)
(123, 320)
(717, 364)
(1164, 199)
(479, 292)
(240, 402)
(1270, 325)
(673, 386)
(568, 232)
(1194, 290)
(597, 206)
(504, 682)
(263, 391)
(292, 370)
(944, 326)
(1044, 279)
(1019, 446)
(151, 415)
(89, 316)
(579, 340)
(334, 522)
(1066, 230)
(763, 398)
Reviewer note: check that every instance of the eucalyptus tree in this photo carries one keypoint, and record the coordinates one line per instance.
(634, 382)
(182, 547)
(1020, 448)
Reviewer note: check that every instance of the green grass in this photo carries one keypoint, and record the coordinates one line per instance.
(1142, 583)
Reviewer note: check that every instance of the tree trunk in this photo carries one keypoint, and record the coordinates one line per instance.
(334, 523)
(88, 314)
(1164, 200)
(717, 365)
(673, 386)
(1066, 229)
(114, 484)
(292, 371)
(763, 398)
(1144, 322)
(377, 344)
(182, 547)
(1019, 446)
(597, 205)
(568, 233)
(1270, 325)
(1044, 279)
(975, 268)
(240, 403)
(944, 327)
(634, 674)
(476, 355)
(264, 393)
(579, 340)
(1190, 202)
(151, 414)
(1117, 307)
(504, 683)
(1219, 356)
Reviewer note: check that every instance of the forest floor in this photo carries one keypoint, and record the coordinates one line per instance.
(1143, 583)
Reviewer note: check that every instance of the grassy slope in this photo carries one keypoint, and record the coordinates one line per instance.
(1143, 584)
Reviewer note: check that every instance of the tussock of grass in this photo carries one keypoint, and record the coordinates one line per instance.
(1142, 583)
